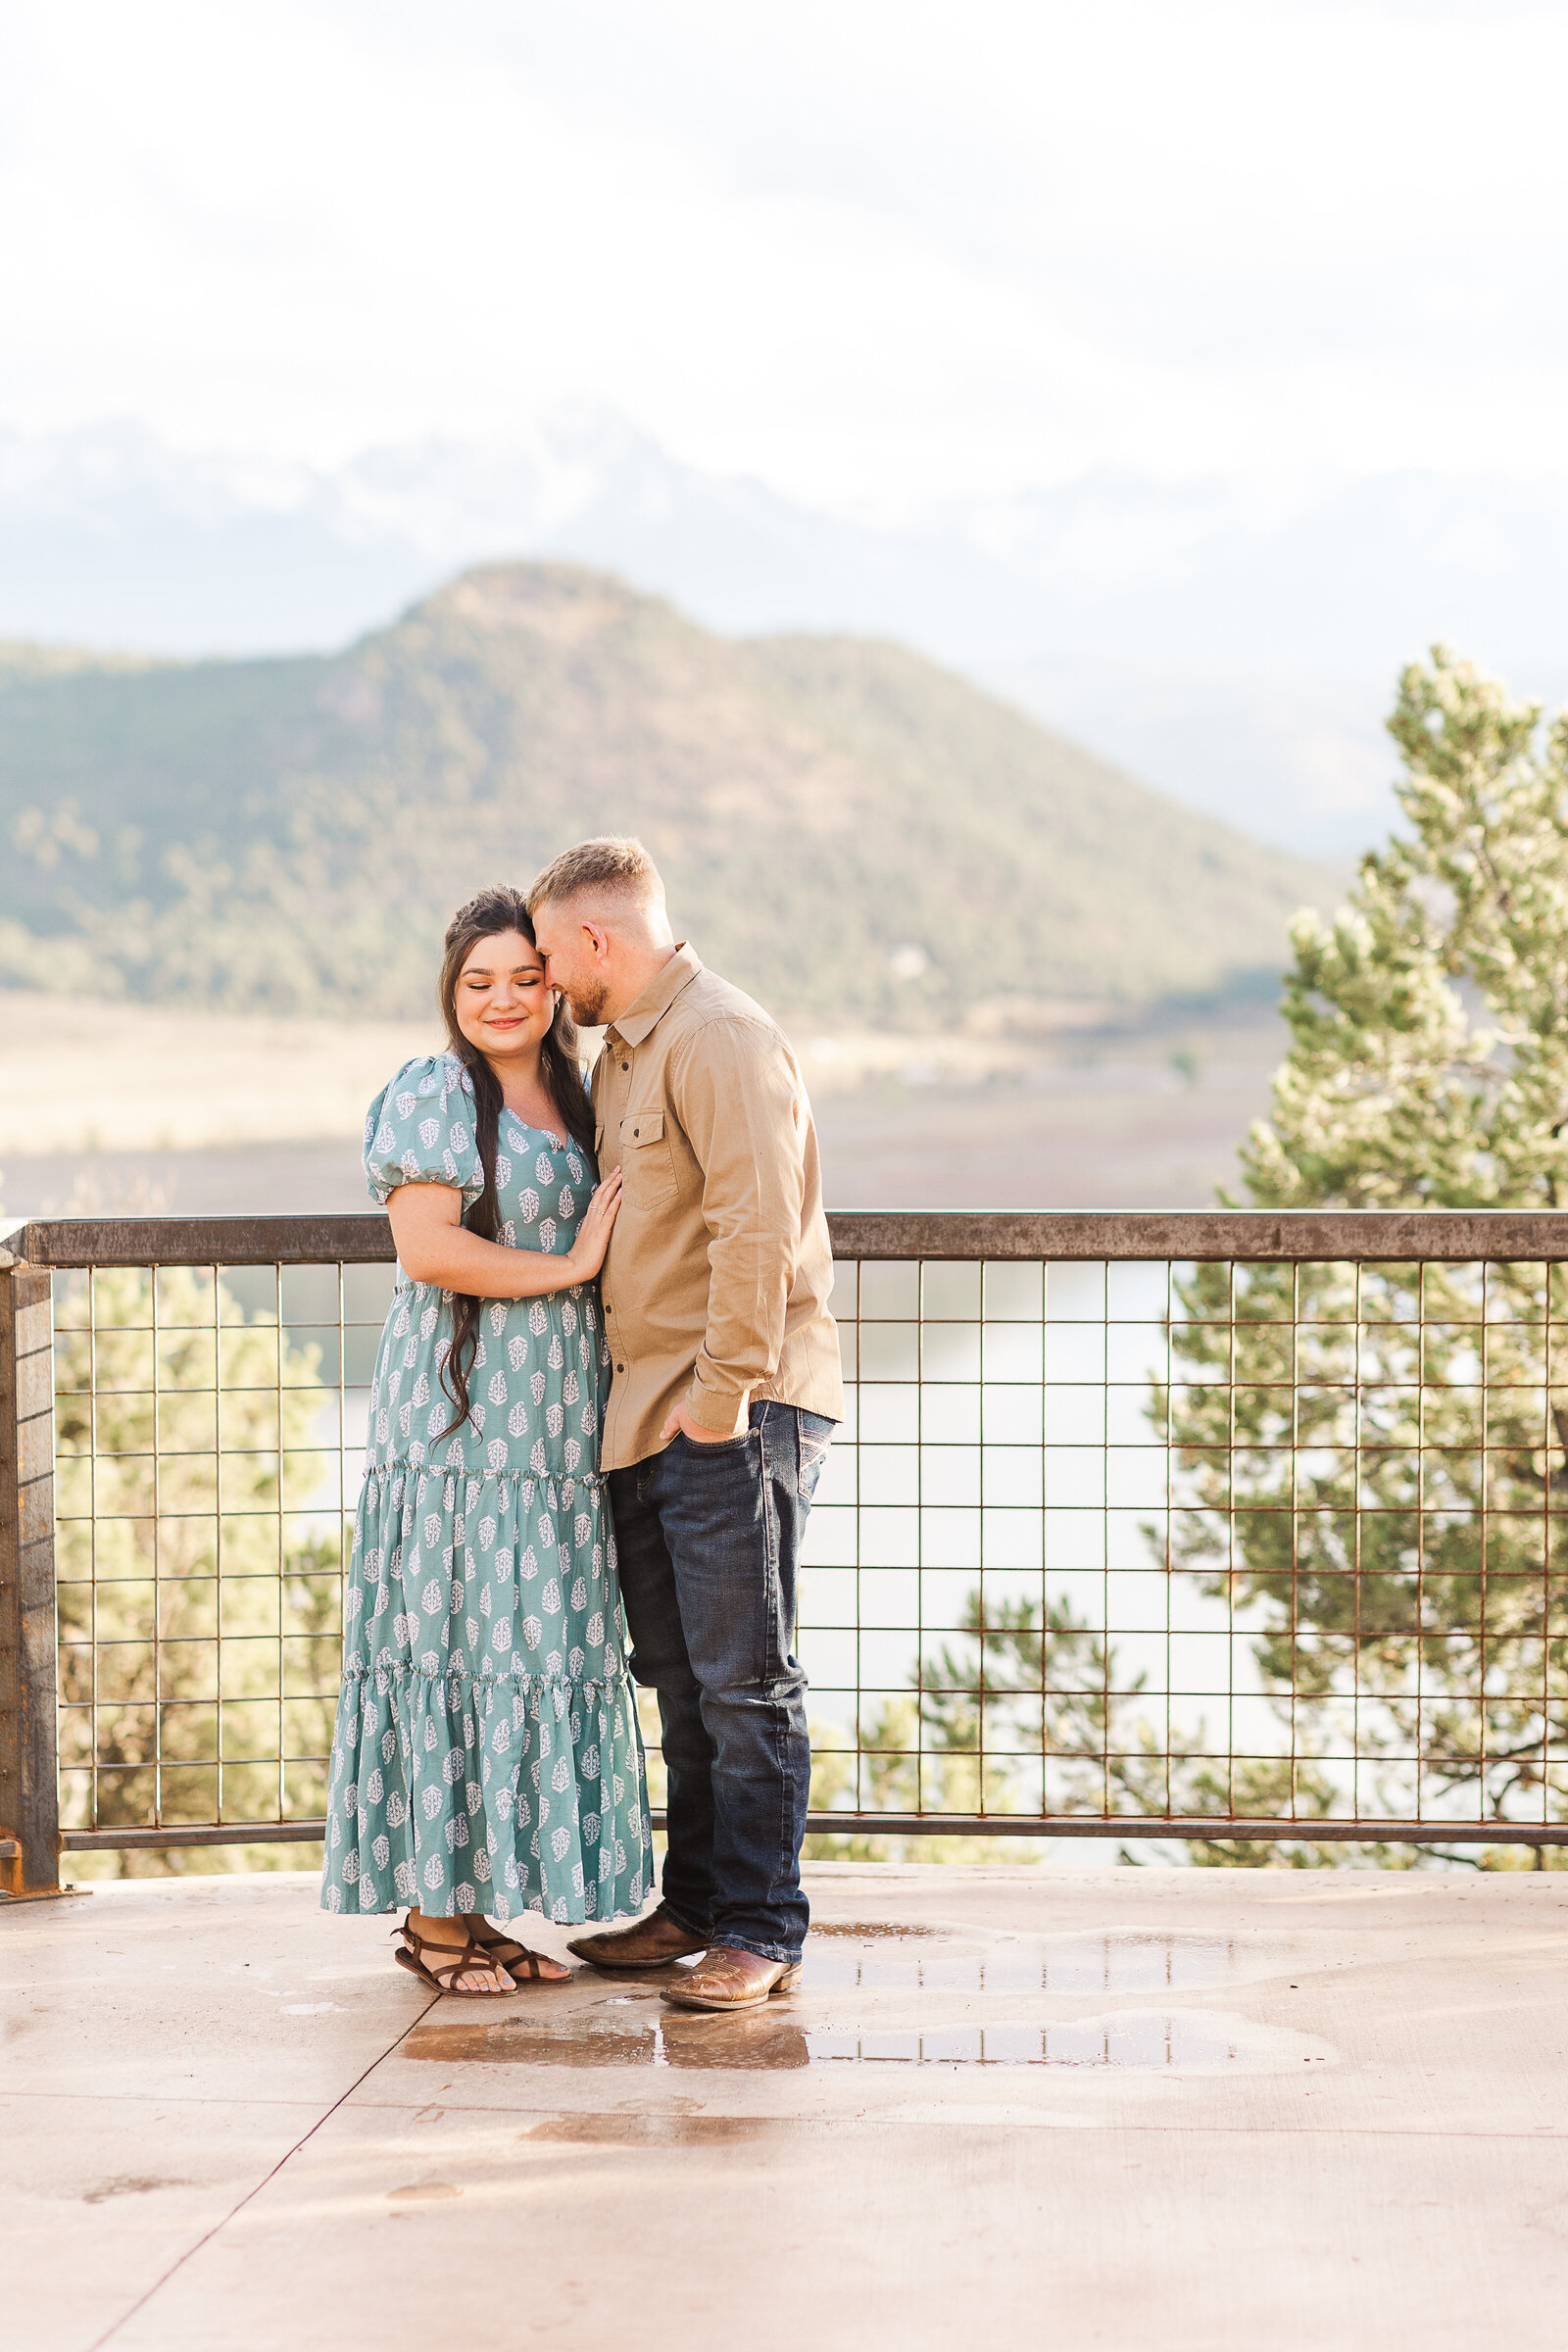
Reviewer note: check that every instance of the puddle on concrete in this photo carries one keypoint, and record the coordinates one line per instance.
(768, 2039)
(1144, 2043)
(771, 2040)
(632, 2028)
(1082, 1964)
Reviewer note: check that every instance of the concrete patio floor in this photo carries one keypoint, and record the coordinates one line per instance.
(1169, 2108)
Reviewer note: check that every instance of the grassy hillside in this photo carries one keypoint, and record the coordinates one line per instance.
(291, 834)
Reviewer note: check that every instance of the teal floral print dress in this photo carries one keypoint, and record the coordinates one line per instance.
(486, 1755)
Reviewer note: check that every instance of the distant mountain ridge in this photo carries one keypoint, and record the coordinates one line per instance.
(1235, 640)
(845, 828)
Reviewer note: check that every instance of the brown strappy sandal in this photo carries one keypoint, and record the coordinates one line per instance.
(522, 1966)
(441, 1976)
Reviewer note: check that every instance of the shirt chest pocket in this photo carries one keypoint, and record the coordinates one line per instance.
(647, 1162)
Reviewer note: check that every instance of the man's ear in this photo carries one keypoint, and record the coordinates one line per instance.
(598, 939)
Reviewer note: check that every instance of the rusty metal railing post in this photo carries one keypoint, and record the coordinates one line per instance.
(29, 1800)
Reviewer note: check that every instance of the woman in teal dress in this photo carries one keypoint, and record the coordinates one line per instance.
(486, 1759)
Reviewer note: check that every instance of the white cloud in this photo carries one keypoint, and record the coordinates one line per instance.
(878, 255)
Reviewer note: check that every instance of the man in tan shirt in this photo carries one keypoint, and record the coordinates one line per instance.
(724, 1389)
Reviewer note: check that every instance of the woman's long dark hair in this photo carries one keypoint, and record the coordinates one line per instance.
(495, 910)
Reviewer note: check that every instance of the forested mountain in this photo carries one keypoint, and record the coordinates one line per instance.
(292, 833)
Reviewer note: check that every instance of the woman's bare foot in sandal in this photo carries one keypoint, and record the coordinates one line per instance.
(522, 1965)
(432, 1945)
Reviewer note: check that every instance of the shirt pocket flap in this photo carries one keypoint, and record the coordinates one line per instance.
(642, 1127)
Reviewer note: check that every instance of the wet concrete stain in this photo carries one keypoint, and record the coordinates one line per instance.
(619, 2130)
(127, 2186)
(869, 1931)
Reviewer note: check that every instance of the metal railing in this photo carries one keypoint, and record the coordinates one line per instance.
(1226, 1526)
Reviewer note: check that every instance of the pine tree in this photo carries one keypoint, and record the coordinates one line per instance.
(192, 1443)
(1374, 1460)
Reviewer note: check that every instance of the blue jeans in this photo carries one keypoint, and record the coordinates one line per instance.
(708, 1538)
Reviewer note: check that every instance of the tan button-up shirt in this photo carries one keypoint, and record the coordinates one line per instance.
(716, 1284)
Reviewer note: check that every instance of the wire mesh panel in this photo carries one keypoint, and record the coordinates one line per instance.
(1241, 1547)
(1224, 1543)
(210, 1422)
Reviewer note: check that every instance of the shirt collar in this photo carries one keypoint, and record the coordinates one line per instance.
(639, 1021)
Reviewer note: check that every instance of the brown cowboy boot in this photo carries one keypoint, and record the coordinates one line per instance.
(650, 1942)
(732, 1980)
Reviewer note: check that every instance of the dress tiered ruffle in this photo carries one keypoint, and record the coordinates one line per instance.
(487, 1754)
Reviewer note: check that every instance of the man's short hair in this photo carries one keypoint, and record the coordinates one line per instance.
(613, 866)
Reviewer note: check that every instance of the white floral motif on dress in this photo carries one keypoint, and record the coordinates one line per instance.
(536, 1512)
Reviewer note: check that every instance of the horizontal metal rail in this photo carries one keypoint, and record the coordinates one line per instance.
(1252, 1237)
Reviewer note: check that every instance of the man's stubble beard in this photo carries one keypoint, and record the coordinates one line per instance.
(586, 1005)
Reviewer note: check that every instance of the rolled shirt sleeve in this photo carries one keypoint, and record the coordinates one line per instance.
(739, 1101)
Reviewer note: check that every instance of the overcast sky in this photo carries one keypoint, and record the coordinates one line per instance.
(877, 253)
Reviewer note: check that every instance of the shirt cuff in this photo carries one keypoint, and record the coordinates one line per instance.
(724, 1410)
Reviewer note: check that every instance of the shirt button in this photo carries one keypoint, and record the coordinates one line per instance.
(625, 1066)
(621, 1367)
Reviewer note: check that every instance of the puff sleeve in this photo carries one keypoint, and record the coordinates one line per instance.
(421, 1130)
